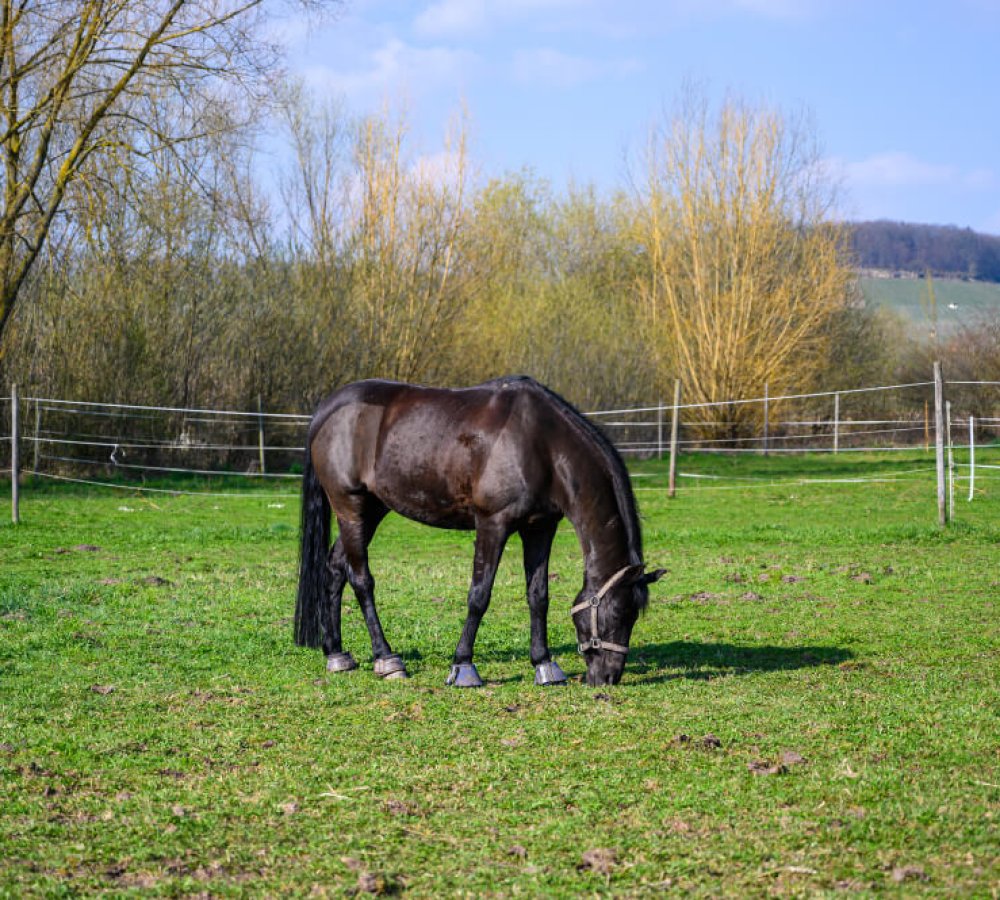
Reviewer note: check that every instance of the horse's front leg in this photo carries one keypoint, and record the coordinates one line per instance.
(537, 541)
(491, 537)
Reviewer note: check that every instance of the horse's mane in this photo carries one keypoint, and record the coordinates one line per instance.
(590, 433)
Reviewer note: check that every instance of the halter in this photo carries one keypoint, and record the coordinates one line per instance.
(595, 643)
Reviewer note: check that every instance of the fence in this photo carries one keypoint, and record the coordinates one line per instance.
(125, 445)
(823, 422)
(806, 425)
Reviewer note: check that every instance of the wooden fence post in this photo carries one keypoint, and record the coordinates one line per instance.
(939, 444)
(674, 428)
(15, 465)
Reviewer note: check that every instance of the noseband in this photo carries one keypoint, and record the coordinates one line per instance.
(595, 643)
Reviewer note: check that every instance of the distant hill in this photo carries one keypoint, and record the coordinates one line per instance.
(958, 302)
(944, 250)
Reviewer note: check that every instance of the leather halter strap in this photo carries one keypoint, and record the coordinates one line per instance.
(591, 603)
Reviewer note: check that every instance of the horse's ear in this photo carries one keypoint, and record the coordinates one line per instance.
(655, 575)
(639, 575)
(633, 575)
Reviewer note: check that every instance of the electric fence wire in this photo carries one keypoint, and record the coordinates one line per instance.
(246, 495)
(669, 406)
(115, 464)
(172, 409)
(126, 444)
(244, 419)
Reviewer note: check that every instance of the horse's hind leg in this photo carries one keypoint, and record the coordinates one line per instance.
(337, 659)
(357, 528)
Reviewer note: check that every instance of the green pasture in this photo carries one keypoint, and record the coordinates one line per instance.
(810, 706)
(958, 303)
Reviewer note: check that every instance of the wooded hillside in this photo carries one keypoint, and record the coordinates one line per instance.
(942, 249)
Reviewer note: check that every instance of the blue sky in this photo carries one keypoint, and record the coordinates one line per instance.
(905, 96)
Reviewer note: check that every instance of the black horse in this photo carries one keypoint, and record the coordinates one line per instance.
(506, 456)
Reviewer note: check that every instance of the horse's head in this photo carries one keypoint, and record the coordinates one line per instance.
(604, 620)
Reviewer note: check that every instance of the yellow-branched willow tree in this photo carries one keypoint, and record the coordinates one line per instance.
(742, 268)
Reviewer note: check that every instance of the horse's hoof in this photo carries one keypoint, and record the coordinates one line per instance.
(340, 662)
(390, 666)
(464, 675)
(549, 673)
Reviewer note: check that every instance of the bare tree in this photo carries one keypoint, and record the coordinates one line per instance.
(406, 220)
(80, 82)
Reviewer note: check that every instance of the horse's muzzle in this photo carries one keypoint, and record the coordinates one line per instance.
(604, 667)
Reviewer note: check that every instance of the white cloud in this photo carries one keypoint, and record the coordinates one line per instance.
(456, 20)
(396, 66)
(557, 69)
(453, 18)
(899, 185)
(898, 169)
(467, 18)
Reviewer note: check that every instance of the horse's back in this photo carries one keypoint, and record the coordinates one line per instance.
(395, 397)
(440, 456)
(372, 392)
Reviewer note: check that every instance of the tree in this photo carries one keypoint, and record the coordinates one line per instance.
(81, 83)
(137, 299)
(376, 235)
(553, 297)
(742, 267)
(404, 227)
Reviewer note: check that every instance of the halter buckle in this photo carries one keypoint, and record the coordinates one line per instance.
(595, 600)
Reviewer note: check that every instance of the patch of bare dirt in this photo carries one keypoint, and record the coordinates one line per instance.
(601, 860)
(399, 808)
(901, 874)
(766, 767)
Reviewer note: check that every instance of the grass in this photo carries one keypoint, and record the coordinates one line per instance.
(810, 705)
(972, 300)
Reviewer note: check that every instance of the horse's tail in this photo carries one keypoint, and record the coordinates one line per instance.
(313, 551)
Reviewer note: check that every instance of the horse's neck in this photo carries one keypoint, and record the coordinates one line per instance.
(599, 525)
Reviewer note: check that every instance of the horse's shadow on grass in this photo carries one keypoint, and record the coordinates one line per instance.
(654, 663)
(695, 661)
(707, 661)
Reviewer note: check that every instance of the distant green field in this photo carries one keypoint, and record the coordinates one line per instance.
(809, 709)
(958, 302)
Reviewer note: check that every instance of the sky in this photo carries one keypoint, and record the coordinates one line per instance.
(904, 97)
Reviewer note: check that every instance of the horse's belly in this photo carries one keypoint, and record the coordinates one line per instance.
(436, 509)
